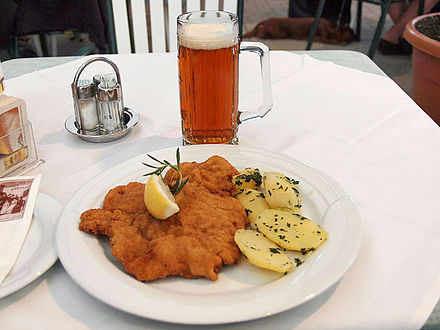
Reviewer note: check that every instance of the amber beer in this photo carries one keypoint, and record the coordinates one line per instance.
(208, 76)
(209, 94)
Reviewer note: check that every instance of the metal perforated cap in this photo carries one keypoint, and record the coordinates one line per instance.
(86, 89)
(109, 94)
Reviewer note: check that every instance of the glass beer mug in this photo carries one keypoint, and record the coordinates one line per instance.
(208, 53)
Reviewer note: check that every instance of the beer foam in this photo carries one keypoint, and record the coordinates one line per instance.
(210, 31)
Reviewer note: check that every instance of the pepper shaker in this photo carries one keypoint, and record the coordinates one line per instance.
(110, 106)
(85, 107)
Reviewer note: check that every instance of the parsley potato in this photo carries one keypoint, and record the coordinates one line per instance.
(281, 192)
(289, 230)
(254, 203)
(262, 252)
(249, 178)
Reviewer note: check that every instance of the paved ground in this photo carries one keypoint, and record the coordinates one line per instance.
(398, 67)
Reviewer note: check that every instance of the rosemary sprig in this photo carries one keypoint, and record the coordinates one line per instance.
(180, 183)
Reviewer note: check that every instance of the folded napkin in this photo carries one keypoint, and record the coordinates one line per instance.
(17, 201)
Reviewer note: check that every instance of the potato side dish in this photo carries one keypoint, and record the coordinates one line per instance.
(254, 203)
(281, 192)
(289, 230)
(275, 220)
(261, 251)
(249, 178)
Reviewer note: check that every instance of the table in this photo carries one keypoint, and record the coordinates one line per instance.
(63, 304)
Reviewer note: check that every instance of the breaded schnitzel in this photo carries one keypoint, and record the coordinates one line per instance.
(193, 243)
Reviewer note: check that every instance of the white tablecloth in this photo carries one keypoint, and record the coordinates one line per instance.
(359, 128)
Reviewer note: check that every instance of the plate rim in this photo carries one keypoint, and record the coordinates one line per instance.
(48, 250)
(352, 209)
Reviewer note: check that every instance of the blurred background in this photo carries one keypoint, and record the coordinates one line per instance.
(72, 28)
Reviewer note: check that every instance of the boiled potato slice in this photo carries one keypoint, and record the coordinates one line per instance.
(291, 231)
(262, 252)
(249, 178)
(281, 192)
(254, 203)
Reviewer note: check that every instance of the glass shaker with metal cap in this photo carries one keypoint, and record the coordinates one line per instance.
(85, 107)
(110, 106)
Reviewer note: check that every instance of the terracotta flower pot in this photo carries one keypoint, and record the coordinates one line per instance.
(426, 69)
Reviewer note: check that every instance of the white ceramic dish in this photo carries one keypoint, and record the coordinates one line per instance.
(243, 291)
(38, 253)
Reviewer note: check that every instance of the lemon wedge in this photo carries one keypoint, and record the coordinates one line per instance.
(158, 198)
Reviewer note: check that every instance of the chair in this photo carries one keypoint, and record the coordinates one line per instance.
(385, 5)
(142, 26)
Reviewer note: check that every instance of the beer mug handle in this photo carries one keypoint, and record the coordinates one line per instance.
(263, 51)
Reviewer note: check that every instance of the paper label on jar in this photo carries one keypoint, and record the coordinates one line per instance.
(9, 161)
(15, 135)
(11, 136)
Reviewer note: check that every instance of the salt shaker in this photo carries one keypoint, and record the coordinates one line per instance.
(85, 107)
(110, 106)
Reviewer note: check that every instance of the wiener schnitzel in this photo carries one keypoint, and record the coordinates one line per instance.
(193, 243)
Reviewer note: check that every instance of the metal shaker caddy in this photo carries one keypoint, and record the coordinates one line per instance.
(99, 111)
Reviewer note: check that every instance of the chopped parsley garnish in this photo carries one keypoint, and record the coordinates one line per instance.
(255, 176)
(292, 181)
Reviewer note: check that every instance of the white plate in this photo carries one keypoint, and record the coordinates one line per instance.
(38, 253)
(242, 292)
